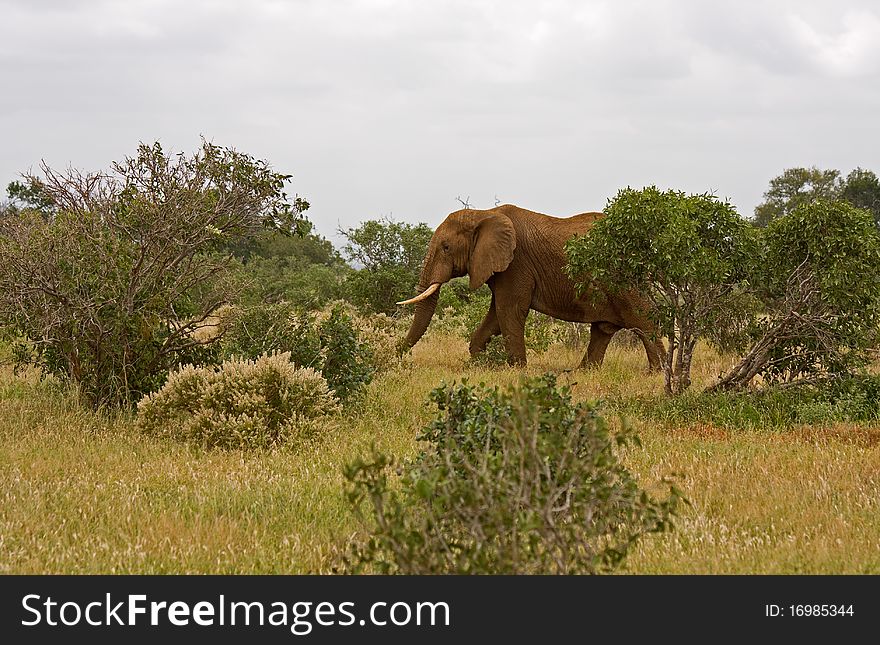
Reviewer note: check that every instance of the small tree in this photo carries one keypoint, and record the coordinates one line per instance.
(862, 190)
(796, 187)
(389, 257)
(29, 195)
(303, 270)
(818, 275)
(685, 254)
(108, 278)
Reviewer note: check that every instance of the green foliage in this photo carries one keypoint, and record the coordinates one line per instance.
(389, 257)
(543, 331)
(820, 279)
(108, 276)
(249, 332)
(307, 286)
(495, 355)
(796, 187)
(30, 195)
(847, 400)
(305, 249)
(303, 270)
(240, 404)
(378, 290)
(862, 190)
(457, 296)
(347, 362)
(329, 343)
(686, 254)
(659, 240)
(459, 309)
(514, 481)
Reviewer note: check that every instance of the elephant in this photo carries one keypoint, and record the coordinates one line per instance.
(520, 254)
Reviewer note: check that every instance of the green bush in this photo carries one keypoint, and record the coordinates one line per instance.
(346, 361)
(329, 342)
(543, 331)
(460, 310)
(821, 274)
(514, 481)
(849, 400)
(249, 332)
(279, 279)
(240, 404)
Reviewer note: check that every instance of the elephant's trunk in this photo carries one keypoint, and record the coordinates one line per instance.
(425, 306)
(424, 313)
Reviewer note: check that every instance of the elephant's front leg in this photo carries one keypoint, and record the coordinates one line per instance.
(512, 320)
(488, 328)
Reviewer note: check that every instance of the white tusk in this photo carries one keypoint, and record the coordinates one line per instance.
(424, 294)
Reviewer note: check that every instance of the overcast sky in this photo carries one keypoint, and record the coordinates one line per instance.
(387, 107)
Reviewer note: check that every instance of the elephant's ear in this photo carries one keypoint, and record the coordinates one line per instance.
(494, 242)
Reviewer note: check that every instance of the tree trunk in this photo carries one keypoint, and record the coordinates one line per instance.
(741, 374)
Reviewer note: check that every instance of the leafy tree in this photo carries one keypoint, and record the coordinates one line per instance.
(29, 195)
(862, 190)
(388, 256)
(109, 281)
(520, 481)
(303, 270)
(308, 287)
(686, 255)
(818, 276)
(795, 187)
(307, 248)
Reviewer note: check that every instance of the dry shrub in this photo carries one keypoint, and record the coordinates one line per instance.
(240, 404)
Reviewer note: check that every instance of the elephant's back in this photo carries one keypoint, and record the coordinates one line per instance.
(583, 222)
(561, 229)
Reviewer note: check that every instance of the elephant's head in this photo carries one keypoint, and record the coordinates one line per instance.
(468, 242)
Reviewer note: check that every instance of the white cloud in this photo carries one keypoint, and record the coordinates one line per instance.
(395, 106)
(852, 51)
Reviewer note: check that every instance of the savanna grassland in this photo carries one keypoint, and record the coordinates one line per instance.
(84, 492)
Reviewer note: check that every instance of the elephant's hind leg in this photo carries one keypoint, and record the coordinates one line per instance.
(655, 350)
(600, 335)
(488, 328)
(646, 330)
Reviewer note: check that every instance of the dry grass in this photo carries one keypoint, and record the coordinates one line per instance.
(88, 493)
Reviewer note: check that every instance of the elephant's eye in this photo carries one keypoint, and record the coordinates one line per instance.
(445, 247)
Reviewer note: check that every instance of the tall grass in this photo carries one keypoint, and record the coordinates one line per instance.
(82, 492)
